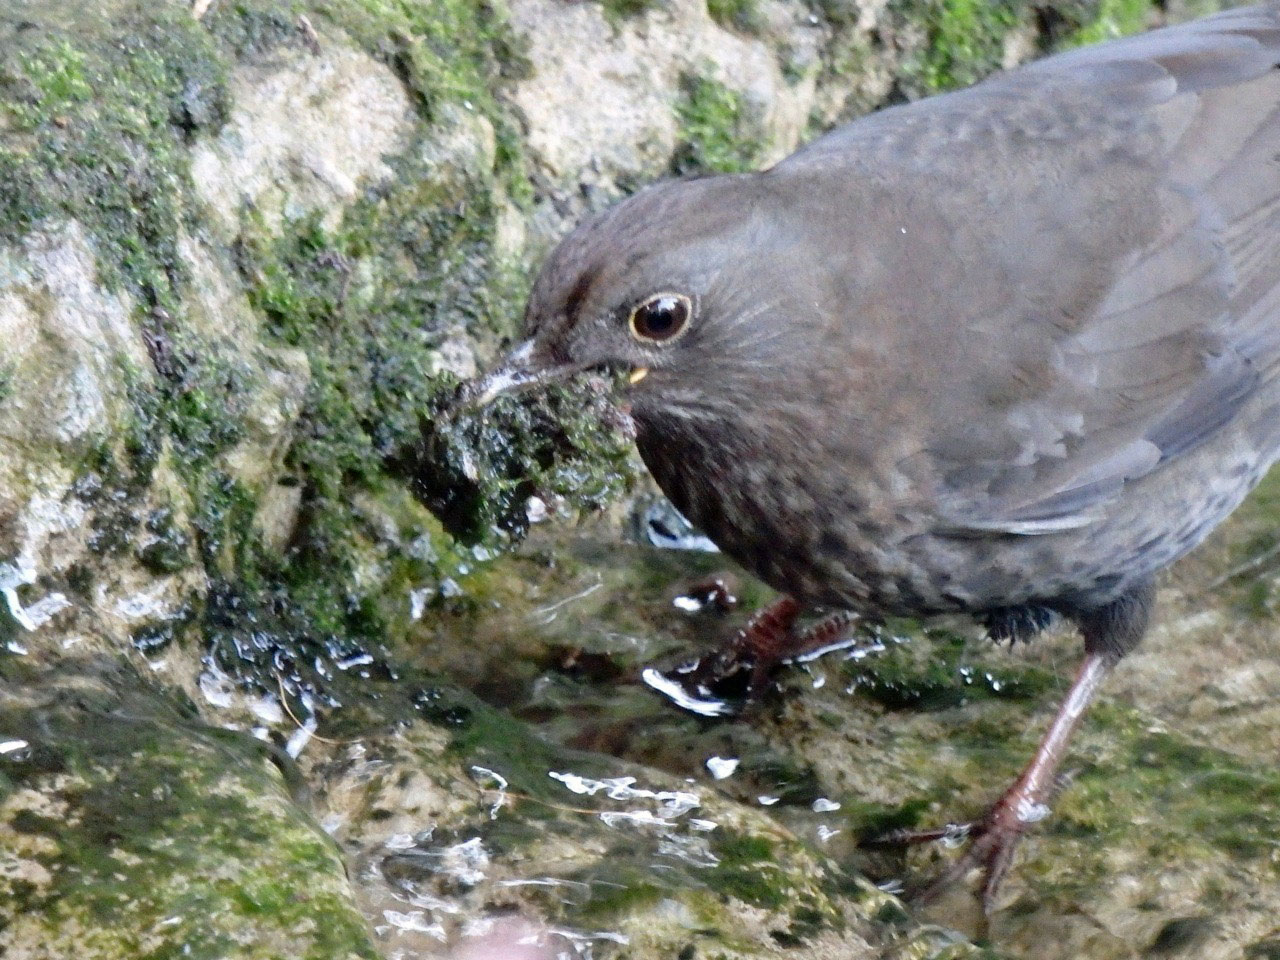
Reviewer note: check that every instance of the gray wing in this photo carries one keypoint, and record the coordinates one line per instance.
(1126, 301)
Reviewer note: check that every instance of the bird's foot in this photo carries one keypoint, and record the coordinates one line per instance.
(740, 670)
(995, 837)
(992, 840)
(737, 671)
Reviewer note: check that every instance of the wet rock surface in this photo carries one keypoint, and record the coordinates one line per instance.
(131, 828)
(1162, 832)
(291, 667)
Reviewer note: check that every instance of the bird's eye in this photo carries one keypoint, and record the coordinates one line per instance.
(661, 317)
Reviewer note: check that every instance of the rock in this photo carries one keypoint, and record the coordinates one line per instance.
(308, 130)
(602, 96)
(126, 826)
(622, 857)
(66, 340)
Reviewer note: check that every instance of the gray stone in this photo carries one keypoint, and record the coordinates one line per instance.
(307, 130)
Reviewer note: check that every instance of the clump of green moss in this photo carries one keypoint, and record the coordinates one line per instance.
(448, 52)
(1254, 553)
(965, 41)
(56, 71)
(875, 820)
(946, 44)
(716, 132)
(1109, 19)
(1220, 798)
(99, 106)
(742, 15)
(747, 871)
(478, 475)
(942, 669)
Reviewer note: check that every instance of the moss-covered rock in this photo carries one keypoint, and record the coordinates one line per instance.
(714, 129)
(128, 828)
(470, 829)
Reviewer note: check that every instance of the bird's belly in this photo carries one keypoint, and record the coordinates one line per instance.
(820, 543)
(806, 537)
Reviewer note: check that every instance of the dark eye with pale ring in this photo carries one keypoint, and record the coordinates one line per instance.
(661, 317)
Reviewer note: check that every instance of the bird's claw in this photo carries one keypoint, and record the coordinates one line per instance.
(991, 848)
(992, 840)
(734, 678)
(950, 835)
(741, 670)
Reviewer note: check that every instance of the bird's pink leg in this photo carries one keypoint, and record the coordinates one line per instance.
(769, 638)
(995, 837)
(762, 643)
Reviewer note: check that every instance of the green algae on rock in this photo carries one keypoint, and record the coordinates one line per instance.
(713, 132)
(105, 108)
(128, 828)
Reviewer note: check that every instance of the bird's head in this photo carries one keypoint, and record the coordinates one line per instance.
(657, 287)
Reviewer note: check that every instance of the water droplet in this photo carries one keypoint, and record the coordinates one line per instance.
(707, 706)
(399, 841)
(722, 767)
(1031, 811)
(535, 509)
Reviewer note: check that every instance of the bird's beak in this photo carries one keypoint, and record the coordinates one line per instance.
(519, 370)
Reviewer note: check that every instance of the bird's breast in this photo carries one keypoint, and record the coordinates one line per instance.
(798, 516)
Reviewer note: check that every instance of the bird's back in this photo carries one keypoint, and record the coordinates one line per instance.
(1086, 250)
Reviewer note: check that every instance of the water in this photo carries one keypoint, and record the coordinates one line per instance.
(885, 729)
(576, 638)
(506, 782)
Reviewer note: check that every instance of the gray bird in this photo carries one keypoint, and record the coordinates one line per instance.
(1004, 351)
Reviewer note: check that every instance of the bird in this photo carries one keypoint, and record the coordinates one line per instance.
(1007, 351)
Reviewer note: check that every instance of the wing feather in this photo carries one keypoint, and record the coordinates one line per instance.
(1190, 330)
(1106, 289)
(1133, 191)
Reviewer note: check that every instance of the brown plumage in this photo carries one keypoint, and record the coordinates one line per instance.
(1015, 348)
